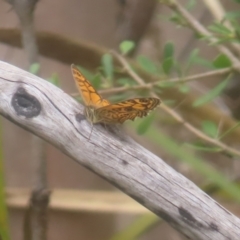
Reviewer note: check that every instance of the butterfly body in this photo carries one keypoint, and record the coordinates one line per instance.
(91, 114)
(99, 110)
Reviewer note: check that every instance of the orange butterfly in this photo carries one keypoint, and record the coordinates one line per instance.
(99, 110)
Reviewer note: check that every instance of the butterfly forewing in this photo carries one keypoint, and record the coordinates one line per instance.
(89, 95)
(98, 109)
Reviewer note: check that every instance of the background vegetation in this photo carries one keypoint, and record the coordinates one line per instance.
(184, 52)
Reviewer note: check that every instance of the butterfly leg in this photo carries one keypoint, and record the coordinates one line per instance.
(90, 132)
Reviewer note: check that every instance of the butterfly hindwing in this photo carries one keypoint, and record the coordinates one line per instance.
(130, 109)
(98, 109)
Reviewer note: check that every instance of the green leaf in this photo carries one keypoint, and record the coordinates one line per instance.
(204, 62)
(87, 74)
(194, 58)
(167, 65)
(210, 128)
(138, 227)
(212, 93)
(190, 4)
(168, 50)
(220, 29)
(191, 59)
(222, 61)
(178, 68)
(107, 64)
(184, 88)
(54, 79)
(178, 19)
(34, 68)
(147, 64)
(4, 219)
(125, 81)
(126, 47)
(145, 124)
(166, 84)
(117, 98)
(237, 1)
(169, 102)
(96, 81)
(232, 15)
(193, 55)
(200, 147)
(229, 130)
(223, 40)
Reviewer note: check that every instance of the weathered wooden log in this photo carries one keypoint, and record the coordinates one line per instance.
(45, 110)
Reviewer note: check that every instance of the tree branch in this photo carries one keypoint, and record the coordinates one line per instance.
(218, 12)
(89, 56)
(175, 115)
(45, 110)
(200, 29)
(177, 80)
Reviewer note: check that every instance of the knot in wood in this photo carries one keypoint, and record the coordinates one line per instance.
(25, 104)
(80, 117)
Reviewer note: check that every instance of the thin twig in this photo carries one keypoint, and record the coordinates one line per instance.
(218, 12)
(175, 115)
(200, 29)
(176, 80)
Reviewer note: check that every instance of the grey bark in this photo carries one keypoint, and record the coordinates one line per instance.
(45, 110)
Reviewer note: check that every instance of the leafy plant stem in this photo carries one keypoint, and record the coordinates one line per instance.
(4, 227)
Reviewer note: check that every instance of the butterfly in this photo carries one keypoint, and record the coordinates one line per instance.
(100, 110)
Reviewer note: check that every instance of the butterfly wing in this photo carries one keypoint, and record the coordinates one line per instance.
(126, 110)
(89, 95)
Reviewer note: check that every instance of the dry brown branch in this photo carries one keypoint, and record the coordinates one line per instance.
(175, 115)
(89, 56)
(134, 19)
(45, 110)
